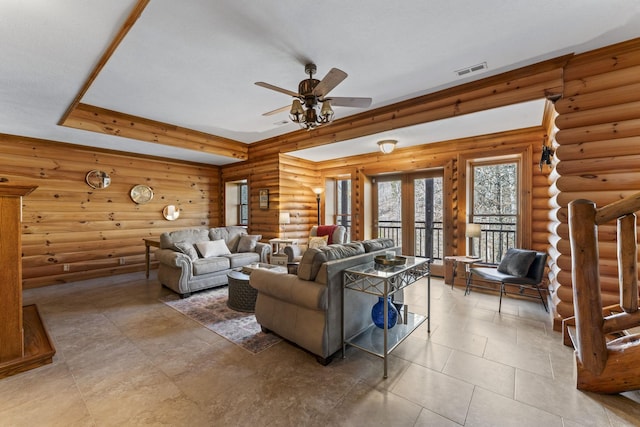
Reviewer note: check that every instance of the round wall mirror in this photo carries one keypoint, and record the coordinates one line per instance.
(171, 213)
(98, 179)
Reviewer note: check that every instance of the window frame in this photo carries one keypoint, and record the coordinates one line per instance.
(523, 154)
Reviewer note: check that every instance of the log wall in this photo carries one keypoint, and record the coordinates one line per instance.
(598, 153)
(290, 181)
(98, 232)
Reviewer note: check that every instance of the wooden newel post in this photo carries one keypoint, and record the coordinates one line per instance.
(585, 274)
(628, 263)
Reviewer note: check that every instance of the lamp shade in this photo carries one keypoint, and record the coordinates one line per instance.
(473, 230)
(387, 145)
(284, 218)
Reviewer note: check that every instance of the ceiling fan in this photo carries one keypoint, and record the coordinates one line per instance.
(310, 93)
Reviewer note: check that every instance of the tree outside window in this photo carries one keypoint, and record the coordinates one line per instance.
(243, 206)
(495, 207)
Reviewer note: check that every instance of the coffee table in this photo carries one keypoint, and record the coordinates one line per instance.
(242, 297)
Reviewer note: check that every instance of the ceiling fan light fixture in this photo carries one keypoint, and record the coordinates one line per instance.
(387, 145)
(326, 112)
(297, 113)
(305, 109)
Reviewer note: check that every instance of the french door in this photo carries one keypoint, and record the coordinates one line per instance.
(408, 209)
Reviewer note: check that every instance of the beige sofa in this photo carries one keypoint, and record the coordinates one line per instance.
(195, 259)
(306, 308)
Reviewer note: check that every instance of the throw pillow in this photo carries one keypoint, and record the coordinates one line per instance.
(212, 248)
(516, 262)
(187, 249)
(316, 242)
(248, 243)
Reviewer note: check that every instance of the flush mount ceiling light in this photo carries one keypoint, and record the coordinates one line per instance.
(311, 107)
(387, 145)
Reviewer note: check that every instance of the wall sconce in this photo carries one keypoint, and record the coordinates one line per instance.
(546, 156)
(387, 145)
(97, 179)
(318, 191)
(283, 219)
(473, 230)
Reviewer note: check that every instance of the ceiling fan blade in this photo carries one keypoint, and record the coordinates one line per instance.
(350, 102)
(277, 110)
(277, 89)
(331, 80)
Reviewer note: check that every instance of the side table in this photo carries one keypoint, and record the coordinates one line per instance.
(147, 255)
(277, 257)
(384, 281)
(463, 259)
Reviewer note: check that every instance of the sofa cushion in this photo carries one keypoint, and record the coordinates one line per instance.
(318, 241)
(377, 244)
(516, 262)
(187, 248)
(241, 259)
(212, 248)
(313, 259)
(247, 243)
(192, 235)
(210, 265)
(230, 234)
(304, 269)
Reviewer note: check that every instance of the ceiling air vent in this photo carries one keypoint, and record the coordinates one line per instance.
(473, 69)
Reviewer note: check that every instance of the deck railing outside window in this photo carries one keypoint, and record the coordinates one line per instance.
(498, 233)
(393, 230)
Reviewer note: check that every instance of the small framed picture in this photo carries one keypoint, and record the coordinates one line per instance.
(264, 198)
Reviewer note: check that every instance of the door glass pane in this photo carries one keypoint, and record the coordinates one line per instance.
(390, 210)
(428, 218)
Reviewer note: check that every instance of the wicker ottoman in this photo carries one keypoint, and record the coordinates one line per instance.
(242, 297)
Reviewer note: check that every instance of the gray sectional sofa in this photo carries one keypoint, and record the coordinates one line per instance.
(195, 259)
(306, 308)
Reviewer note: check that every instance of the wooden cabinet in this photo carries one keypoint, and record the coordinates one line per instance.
(24, 343)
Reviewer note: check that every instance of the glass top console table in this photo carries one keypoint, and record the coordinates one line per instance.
(384, 281)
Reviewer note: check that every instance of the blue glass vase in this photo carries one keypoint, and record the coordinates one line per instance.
(377, 313)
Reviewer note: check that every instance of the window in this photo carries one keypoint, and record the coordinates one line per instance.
(343, 204)
(243, 205)
(495, 207)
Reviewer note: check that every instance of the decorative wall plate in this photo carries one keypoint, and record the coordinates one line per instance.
(141, 194)
(170, 213)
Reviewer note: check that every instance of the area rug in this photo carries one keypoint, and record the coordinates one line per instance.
(209, 308)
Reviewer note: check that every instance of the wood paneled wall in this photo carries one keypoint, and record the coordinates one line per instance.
(598, 153)
(290, 181)
(97, 233)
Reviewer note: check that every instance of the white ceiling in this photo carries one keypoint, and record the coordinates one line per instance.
(193, 63)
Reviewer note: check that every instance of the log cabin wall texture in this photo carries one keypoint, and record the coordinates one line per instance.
(98, 232)
(598, 156)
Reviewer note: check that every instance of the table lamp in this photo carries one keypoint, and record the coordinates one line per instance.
(473, 230)
(283, 219)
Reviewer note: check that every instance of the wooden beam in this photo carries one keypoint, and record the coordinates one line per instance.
(131, 19)
(96, 119)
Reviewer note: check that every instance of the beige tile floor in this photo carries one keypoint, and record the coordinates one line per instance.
(125, 359)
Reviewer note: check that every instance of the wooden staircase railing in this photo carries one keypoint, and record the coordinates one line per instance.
(607, 358)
